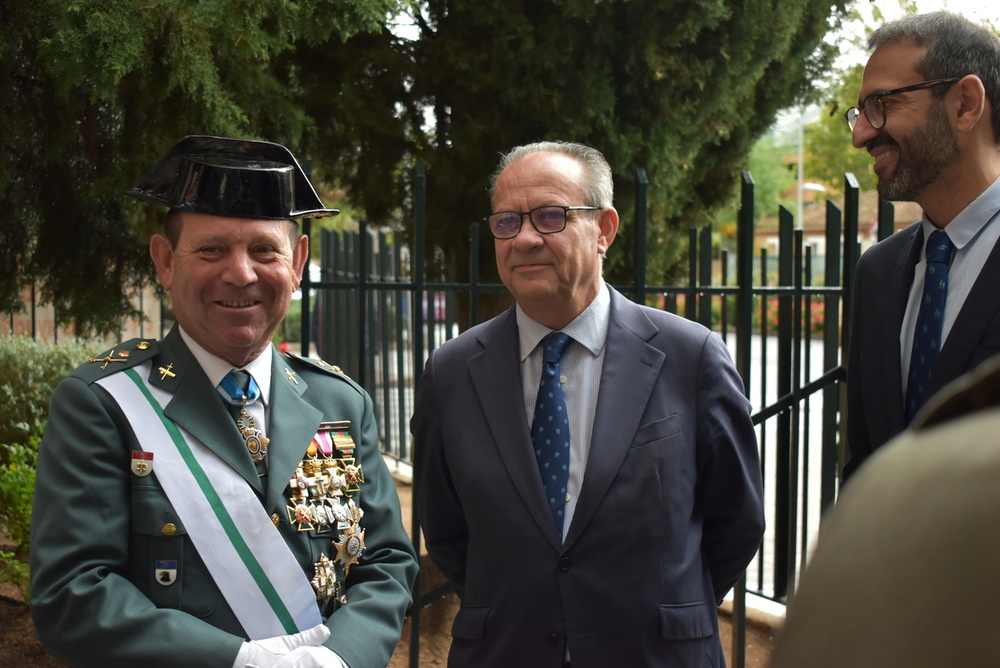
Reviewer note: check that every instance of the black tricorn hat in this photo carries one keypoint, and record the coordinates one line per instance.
(235, 178)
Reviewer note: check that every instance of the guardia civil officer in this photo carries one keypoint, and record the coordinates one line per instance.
(205, 500)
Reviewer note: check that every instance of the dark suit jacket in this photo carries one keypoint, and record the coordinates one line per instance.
(97, 528)
(874, 374)
(668, 517)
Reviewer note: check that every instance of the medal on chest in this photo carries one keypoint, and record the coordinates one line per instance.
(321, 502)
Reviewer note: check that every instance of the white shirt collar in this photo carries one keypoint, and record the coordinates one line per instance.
(216, 368)
(970, 220)
(589, 329)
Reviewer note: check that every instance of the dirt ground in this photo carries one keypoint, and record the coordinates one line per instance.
(19, 646)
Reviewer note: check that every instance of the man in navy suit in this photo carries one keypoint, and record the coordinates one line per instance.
(623, 562)
(929, 114)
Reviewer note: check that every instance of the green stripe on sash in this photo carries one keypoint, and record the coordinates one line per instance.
(239, 544)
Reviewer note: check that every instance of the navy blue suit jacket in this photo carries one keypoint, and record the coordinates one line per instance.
(874, 374)
(669, 515)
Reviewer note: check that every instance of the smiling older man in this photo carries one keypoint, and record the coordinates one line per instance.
(204, 500)
(589, 478)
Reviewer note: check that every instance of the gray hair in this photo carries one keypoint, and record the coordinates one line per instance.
(956, 47)
(598, 187)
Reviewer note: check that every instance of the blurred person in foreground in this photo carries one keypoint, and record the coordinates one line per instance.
(904, 574)
(204, 500)
(589, 480)
(927, 299)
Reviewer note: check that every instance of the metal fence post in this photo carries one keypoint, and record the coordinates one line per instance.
(639, 222)
(419, 277)
(744, 327)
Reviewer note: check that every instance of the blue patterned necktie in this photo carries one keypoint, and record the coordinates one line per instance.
(927, 335)
(550, 427)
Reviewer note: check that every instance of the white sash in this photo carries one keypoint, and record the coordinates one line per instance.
(246, 556)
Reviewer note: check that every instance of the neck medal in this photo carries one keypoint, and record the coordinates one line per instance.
(321, 502)
(254, 438)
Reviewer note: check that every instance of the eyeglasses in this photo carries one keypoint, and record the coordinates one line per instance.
(545, 219)
(874, 107)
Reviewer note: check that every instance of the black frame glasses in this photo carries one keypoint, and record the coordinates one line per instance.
(874, 108)
(549, 219)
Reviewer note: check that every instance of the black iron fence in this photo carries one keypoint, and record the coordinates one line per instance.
(378, 312)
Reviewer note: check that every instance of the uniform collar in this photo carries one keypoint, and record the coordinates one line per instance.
(216, 367)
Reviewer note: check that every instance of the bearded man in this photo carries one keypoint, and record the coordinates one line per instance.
(927, 299)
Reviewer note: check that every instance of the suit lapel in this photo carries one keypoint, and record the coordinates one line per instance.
(197, 407)
(978, 312)
(496, 378)
(628, 362)
(891, 355)
(290, 429)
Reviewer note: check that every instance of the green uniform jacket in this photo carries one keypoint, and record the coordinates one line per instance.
(98, 529)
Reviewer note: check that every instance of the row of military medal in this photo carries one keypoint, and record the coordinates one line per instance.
(321, 502)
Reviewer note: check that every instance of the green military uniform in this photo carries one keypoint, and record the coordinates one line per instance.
(99, 529)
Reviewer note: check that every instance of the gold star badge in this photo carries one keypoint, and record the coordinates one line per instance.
(350, 546)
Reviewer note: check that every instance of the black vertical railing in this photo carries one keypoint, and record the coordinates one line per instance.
(380, 321)
(419, 357)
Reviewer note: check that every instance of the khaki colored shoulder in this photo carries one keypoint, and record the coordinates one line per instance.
(117, 358)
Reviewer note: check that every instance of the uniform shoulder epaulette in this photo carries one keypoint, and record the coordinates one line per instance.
(118, 358)
(320, 364)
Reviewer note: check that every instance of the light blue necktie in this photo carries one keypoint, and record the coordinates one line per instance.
(236, 385)
(550, 427)
(930, 318)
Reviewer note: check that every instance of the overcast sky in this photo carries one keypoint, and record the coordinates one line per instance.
(976, 10)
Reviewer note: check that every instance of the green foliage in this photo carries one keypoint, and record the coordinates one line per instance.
(291, 326)
(774, 181)
(17, 483)
(773, 177)
(30, 371)
(829, 152)
(15, 571)
(93, 92)
(681, 89)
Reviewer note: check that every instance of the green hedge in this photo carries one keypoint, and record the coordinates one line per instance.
(30, 371)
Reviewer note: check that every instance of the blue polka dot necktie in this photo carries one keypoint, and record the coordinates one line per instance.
(550, 427)
(927, 335)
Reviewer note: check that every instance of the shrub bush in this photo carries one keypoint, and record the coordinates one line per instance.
(30, 371)
(17, 483)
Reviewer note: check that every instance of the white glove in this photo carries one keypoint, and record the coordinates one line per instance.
(265, 653)
(311, 657)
